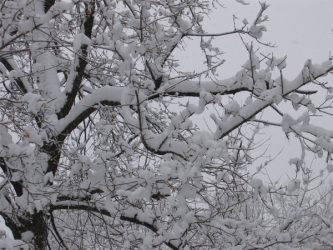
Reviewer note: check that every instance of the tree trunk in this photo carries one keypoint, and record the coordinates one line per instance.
(37, 224)
(39, 229)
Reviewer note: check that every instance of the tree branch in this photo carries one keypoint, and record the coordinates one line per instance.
(248, 112)
(73, 89)
(91, 208)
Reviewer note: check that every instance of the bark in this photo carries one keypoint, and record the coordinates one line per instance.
(36, 223)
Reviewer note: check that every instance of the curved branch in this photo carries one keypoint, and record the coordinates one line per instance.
(143, 139)
(56, 231)
(91, 208)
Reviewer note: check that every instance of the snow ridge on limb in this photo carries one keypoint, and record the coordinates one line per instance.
(268, 98)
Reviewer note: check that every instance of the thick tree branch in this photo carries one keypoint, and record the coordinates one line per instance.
(17, 185)
(13, 225)
(73, 89)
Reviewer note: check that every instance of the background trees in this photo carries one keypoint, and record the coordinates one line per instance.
(99, 144)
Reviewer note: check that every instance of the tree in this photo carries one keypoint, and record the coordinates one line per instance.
(99, 148)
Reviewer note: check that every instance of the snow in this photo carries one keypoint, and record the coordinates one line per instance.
(151, 162)
(27, 236)
(5, 137)
(287, 123)
(34, 101)
(257, 31)
(293, 186)
(26, 26)
(33, 136)
(107, 93)
(62, 6)
(329, 168)
(257, 184)
(80, 40)
(13, 244)
(49, 82)
(232, 108)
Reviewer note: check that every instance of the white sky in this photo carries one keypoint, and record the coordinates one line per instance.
(301, 29)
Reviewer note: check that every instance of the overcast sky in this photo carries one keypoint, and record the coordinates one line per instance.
(300, 29)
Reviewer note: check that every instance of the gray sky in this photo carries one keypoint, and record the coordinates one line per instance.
(301, 30)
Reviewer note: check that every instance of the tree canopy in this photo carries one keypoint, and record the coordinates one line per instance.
(99, 145)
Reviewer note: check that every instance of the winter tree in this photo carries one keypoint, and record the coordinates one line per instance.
(99, 148)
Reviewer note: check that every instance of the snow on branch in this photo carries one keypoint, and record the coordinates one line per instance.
(105, 139)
